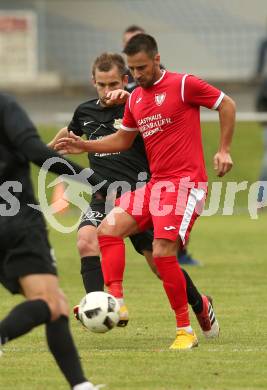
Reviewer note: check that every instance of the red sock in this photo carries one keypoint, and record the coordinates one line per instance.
(175, 287)
(113, 263)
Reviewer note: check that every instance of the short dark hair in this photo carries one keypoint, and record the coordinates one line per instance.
(141, 42)
(106, 61)
(133, 28)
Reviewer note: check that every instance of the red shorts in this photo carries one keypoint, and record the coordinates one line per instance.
(170, 207)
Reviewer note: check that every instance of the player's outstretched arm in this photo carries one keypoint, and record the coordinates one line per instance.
(117, 142)
(222, 160)
(119, 96)
(62, 133)
(24, 138)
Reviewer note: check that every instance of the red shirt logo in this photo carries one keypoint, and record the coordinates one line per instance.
(159, 98)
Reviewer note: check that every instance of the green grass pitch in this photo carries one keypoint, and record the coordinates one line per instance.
(233, 252)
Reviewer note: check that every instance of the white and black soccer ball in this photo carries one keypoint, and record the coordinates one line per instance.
(99, 311)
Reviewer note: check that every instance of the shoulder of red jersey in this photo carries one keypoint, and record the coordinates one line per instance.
(194, 90)
(175, 75)
(178, 80)
(200, 92)
(134, 96)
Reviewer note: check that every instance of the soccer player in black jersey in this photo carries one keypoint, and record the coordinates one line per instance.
(27, 264)
(95, 119)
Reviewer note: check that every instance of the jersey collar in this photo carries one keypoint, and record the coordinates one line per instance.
(159, 80)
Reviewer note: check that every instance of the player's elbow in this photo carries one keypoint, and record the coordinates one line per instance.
(125, 139)
(232, 104)
(227, 106)
(122, 144)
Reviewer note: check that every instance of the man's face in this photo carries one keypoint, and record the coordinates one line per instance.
(144, 69)
(105, 82)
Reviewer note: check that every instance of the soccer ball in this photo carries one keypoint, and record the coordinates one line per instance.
(99, 311)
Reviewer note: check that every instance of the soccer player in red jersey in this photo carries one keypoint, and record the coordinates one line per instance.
(165, 109)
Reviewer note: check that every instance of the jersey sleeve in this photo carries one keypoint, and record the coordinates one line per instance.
(128, 121)
(198, 92)
(74, 125)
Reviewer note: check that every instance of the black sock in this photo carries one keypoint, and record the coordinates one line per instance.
(23, 318)
(92, 274)
(62, 347)
(193, 295)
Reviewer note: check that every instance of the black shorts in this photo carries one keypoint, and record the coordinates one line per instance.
(24, 250)
(96, 213)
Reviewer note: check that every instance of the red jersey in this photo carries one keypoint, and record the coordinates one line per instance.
(167, 114)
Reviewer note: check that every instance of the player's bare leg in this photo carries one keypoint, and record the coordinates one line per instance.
(45, 287)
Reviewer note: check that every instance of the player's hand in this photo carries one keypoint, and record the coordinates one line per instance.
(52, 144)
(222, 163)
(71, 145)
(62, 133)
(119, 96)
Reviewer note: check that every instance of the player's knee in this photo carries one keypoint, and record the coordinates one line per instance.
(158, 250)
(105, 229)
(87, 247)
(56, 302)
(163, 248)
(54, 306)
(64, 307)
(58, 305)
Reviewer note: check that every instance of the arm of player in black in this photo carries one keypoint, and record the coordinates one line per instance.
(64, 132)
(38, 153)
(23, 135)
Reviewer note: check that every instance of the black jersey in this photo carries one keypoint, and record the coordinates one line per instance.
(20, 144)
(15, 129)
(96, 121)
